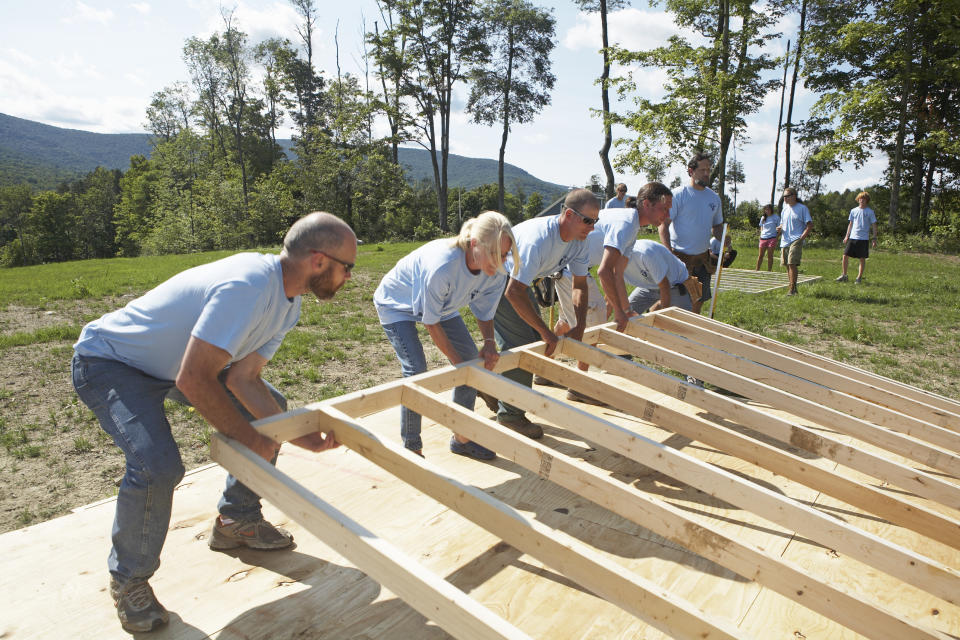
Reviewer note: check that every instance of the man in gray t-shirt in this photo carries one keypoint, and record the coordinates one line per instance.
(695, 213)
(202, 338)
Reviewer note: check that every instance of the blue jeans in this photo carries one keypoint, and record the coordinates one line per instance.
(513, 331)
(129, 405)
(403, 336)
(641, 299)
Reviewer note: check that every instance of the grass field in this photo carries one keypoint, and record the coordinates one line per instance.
(903, 322)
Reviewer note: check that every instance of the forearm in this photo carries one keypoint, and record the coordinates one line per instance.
(517, 295)
(581, 297)
(664, 286)
(210, 399)
(664, 231)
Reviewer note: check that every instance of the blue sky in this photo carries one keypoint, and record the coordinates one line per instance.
(94, 64)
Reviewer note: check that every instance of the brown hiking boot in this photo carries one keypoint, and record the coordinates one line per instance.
(255, 534)
(137, 607)
(492, 403)
(521, 425)
(576, 396)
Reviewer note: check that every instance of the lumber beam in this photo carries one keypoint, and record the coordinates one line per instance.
(853, 611)
(844, 369)
(457, 613)
(908, 566)
(862, 497)
(771, 386)
(556, 549)
(862, 399)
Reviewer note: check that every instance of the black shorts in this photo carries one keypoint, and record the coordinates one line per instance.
(857, 249)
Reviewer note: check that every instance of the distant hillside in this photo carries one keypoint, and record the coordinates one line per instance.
(470, 173)
(46, 156)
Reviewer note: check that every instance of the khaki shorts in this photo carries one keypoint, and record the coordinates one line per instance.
(596, 304)
(792, 253)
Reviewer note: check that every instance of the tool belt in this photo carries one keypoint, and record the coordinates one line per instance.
(693, 261)
(545, 289)
(693, 287)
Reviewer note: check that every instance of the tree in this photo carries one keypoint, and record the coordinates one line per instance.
(445, 38)
(15, 203)
(169, 111)
(392, 57)
(712, 87)
(514, 83)
(603, 7)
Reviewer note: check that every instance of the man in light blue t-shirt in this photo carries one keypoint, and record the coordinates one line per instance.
(659, 277)
(619, 201)
(202, 338)
(695, 214)
(545, 245)
(857, 240)
(795, 226)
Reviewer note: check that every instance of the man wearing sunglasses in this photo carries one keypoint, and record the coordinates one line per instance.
(200, 338)
(545, 246)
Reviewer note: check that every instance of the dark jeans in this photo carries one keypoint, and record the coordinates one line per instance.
(129, 405)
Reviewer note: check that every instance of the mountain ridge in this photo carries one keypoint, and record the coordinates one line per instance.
(45, 156)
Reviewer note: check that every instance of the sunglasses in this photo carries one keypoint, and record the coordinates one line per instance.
(586, 220)
(347, 266)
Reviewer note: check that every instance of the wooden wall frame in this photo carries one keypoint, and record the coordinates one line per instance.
(905, 439)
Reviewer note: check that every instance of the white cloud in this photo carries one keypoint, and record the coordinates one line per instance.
(20, 57)
(73, 66)
(135, 78)
(142, 7)
(85, 13)
(277, 19)
(633, 29)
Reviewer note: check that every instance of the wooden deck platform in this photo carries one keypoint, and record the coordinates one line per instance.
(795, 504)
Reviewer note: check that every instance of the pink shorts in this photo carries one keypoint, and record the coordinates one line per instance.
(768, 243)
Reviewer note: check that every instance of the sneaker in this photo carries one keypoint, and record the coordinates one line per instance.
(521, 425)
(792, 292)
(137, 607)
(545, 382)
(695, 381)
(842, 278)
(857, 281)
(492, 403)
(255, 534)
(471, 450)
(576, 396)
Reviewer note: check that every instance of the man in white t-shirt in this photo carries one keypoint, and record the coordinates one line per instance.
(545, 245)
(694, 216)
(202, 338)
(795, 226)
(857, 240)
(660, 278)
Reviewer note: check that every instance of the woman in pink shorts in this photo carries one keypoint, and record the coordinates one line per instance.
(768, 236)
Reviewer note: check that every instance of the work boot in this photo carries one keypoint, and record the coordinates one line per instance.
(137, 607)
(521, 425)
(576, 396)
(545, 382)
(255, 534)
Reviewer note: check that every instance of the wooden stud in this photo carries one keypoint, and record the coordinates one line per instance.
(852, 372)
(763, 455)
(804, 399)
(910, 567)
(435, 598)
(670, 522)
(865, 401)
(558, 550)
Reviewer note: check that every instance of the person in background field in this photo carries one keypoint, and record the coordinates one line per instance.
(695, 214)
(545, 246)
(857, 240)
(429, 286)
(201, 338)
(618, 201)
(795, 226)
(769, 225)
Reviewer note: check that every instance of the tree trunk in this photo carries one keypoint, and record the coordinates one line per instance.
(793, 88)
(776, 145)
(927, 194)
(506, 122)
(605, 100)
(907, 89)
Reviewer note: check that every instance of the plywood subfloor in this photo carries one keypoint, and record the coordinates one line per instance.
(54, 573)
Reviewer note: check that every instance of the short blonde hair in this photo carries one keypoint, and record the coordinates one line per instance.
(488, 229)
(863, 194)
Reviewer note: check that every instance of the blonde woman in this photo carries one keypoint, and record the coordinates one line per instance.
(430, 285)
